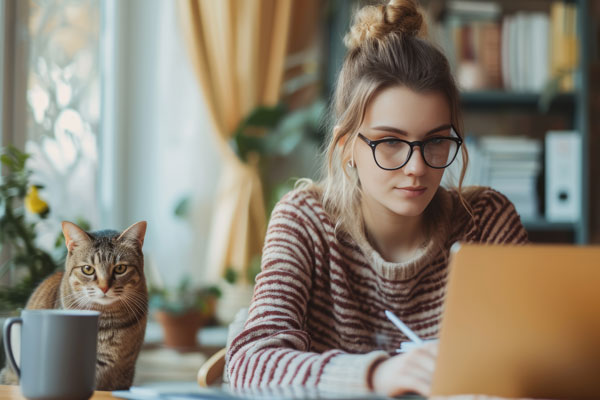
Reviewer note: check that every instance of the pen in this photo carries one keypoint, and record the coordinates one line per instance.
(402, 326)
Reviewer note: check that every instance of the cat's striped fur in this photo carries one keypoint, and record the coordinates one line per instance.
(104, 271)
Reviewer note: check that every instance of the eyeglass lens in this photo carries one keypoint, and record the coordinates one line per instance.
(437, 152)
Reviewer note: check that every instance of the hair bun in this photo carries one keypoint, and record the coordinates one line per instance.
(376, 22)
(405, 16)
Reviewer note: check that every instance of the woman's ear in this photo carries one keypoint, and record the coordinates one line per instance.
(341, 142)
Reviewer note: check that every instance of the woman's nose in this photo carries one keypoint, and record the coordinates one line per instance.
(416, 165)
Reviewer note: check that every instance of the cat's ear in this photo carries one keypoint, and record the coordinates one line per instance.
(135, 232)
(74, 235)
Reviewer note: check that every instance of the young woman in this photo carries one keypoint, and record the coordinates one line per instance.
(375, 233)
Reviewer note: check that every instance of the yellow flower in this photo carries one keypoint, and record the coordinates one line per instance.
(33, 203)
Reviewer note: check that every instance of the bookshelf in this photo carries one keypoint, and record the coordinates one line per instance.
(574, 108)
(541, 224)
(500, 98)
(582, 119)
(510, 112)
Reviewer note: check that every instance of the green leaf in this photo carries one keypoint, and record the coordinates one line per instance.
(254, 267)
(182, 208)
(214, 291)
(184, 285)
(83, 223)
(262, 117)
(246, 144)
(265, 117)
(22, 157)
(231, 275)
(6, 160)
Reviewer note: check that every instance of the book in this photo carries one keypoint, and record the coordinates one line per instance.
(563, 176)
(521, 51)
(563, 58)
(511, 165)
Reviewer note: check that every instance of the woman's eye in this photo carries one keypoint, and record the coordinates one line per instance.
(436, 140)
(121, 268)
(393, 143)
(88, 270)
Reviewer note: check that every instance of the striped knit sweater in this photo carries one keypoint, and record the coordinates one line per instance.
(317, 316)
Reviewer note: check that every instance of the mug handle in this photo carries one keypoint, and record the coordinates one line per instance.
(8, 345)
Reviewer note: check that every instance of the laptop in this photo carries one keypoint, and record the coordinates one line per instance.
(521, 321)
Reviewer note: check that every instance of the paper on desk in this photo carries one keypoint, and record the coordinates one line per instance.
(149, 393)
(406, 346)
(143, 393)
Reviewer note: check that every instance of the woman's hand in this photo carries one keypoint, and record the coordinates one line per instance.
(406, 373)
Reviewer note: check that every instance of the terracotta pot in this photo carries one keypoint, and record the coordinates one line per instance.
(180, 329)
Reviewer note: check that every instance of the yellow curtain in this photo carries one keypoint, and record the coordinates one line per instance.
(238, 50)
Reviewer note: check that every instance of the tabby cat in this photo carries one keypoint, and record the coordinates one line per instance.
(104, 271)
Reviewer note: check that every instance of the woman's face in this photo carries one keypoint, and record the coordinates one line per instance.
(398, 112)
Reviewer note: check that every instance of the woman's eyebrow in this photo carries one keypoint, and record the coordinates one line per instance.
(439, 128)
(401, 132)
(389, 129)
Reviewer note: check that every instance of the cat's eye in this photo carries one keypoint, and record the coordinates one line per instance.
(88, 270)
(120, 269)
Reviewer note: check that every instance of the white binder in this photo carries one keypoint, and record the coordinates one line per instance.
(563, 176)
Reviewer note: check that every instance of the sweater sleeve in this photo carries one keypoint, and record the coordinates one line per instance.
(273, 350)
(496, 220)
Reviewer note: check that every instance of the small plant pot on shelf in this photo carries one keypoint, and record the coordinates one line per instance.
(182, 312)
(180, 330)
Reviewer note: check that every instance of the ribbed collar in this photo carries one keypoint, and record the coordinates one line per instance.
(404, 270)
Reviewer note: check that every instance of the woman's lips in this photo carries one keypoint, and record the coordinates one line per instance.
(412, 191)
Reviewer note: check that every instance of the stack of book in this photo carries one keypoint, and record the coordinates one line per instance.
(520, 51)
(510, 165)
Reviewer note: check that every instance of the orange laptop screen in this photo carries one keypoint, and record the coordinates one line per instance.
(521, 321)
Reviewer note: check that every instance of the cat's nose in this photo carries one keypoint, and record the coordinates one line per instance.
(104, 289)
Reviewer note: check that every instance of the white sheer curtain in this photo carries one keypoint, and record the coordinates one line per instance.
(157, 150)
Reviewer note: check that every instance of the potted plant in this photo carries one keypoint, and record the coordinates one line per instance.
(236, 293)
(182, 311)
(21, 209)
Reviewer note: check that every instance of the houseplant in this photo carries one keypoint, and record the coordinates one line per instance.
(182, 311)
(21, 209)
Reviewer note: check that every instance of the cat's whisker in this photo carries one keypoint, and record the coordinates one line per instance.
(75, 303)
(72, 296)
(134, 297)
(138, 302)
(131, 311)
(133, 304)
(73, 299)
(83, 301)
(141, 305)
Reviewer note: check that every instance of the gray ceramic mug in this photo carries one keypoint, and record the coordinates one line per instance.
(58, 353)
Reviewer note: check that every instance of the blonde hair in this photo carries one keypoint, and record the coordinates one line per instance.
(386, 47)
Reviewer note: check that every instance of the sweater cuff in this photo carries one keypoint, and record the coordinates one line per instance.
(349, 372)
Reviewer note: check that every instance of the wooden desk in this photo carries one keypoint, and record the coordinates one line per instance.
(9, 392)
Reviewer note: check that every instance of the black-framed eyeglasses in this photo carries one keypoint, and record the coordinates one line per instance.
(392, 153)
